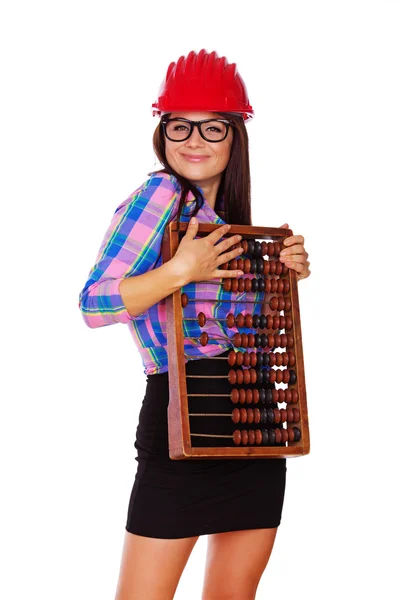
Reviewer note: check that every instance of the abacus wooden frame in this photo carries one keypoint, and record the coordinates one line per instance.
(180, 446)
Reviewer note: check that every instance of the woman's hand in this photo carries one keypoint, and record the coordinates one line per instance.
(198, 260)
(295, 256)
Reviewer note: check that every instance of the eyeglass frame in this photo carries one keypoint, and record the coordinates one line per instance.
(197, 124)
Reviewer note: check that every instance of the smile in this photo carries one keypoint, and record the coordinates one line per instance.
(193, 158)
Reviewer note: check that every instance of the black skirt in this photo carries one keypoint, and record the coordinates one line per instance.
(184, 498)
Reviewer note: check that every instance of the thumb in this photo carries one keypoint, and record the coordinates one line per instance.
(284, 226)
(192, 228)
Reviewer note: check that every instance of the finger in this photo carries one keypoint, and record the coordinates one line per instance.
(294, 258)
(192, 228)
(222, 258)
(293, 239)
(224, 273)
(284, 226)
(217, 234)
(227, 243)
(296, 249)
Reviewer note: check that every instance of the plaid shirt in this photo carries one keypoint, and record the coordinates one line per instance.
(132, 246)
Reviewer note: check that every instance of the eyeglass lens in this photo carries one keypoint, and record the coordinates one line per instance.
(213, 131)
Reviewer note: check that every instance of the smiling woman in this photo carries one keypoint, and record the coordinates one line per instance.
(201, 141)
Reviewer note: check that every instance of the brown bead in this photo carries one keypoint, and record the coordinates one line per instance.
(277, 248)
(272, 267)
(243, 415)
(230, 320)
(290, 434)
(266, 267)
(258, 436)
(270, 340)
(273, 303)
(256, 396)
(246, 359)
(253, 359)
(296, 415)
(250, 415)
(273, 285)
(240, 264)
(184, 300)
(277, 415)
(283, 340)
(227, 284)
(234, 285)
(281, 303)
(288, 305)
(235, 396)
(224, 266)
(295, 396)
(264, 248)
(270, 322)
(284, 435)
(251, 340)
(247, 265)
(278, 435)
(232, 377)
(236, 415)
(283, 415)
(270, 249)
(286, 376)
(257, 415)
(275, 396)
(239, 376)
(278, 359)
(240, 320)
(247, 284)
(279, 376)
(237, 340)
(288, 322)
(290, 341)
(281, 395)
(244, 343)
(201, 319)
(249, 396)
(246, 376)
(291, 359)
(233, 264)
(232, 358)
(237, 437)
(272, 376)
(204, 339)
(245, 437)
(242, 396)
(244, 245)
(239, 358)
(252, 436)
(288, 396)
(241, 284)
(278, 269)
(290, 415)
(267, 286)
(253, 376)
(248, 320)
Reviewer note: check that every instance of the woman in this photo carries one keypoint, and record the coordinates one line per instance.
(202, 142)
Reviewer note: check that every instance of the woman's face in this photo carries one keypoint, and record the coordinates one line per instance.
(201, 162)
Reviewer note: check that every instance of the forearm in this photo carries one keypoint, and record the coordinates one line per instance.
(142, 291)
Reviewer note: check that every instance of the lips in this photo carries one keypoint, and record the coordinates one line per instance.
(194, 157)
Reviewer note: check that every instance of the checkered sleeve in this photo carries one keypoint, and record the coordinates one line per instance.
(131, 246)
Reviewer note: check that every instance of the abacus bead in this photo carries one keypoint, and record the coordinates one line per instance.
(268, 396)
(253, 359)
(272, 359)
(288, 396)
(290, 340)
(250, 415)
(270, 415)
(184, 300)
(227, 285)
(241, 284)
(239, 358)
(273, 303)
(263, 414)
(272, 267)
(253, 376)
(247, 265)
(277, 415)
(248, 321)
(252, 436)
(249, 396)
(258, 437)
(290, 434)
(296, 415)
(235, 396)
(281, 395)
(236, 415)
(243, 415)
(275, 396)
(271, 340)
(230, 320)
(244, 342)
(246, 358)
(271, 436)
(260, 265)
(264, 340)
(237, 340)
(204, 339)
(250, 247)
(293, 377)
(246, 376)
(284, 434)
(242, 396)
(239, 376)
(290, 415)
(240, 264)
(257, 250)
(283, 415)
(288, 322)
(244, 245)
(255, 321)
(264, 248)
(232, 377)
(277, 248)
(286, 376)
(233, 264)
(201, 319)
(256, 396)
(287, 304)
(262, 395)
(270, 249)
(253, 264)
(265, 436)
(257, 340)
(232, 358)
(247, 285)
(266, 267)
(251, 340)
(278, 435)
(295, 396)
(258, 359)
(281, 303)
(297, 434)
(257, 415)
(240, 320)
(245, 437)
(237, 438)
(262, 322)
(234, 285)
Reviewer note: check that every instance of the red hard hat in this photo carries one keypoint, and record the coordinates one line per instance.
(203, 81)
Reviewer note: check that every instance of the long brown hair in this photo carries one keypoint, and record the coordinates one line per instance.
(235, 181)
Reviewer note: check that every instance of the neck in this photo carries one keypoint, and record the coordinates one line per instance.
(210, 190)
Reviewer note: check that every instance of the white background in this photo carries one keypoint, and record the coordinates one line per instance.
(78, 82)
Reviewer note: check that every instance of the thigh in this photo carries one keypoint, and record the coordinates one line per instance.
(151, 567)
(235, 562)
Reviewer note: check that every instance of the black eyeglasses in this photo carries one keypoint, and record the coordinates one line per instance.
(211, 130)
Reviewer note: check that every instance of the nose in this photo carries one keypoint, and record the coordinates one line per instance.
(195, 139)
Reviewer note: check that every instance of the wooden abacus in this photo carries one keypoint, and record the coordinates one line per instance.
(282, 432)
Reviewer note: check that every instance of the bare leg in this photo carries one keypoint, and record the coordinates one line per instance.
(235, 562)
(151, 567)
